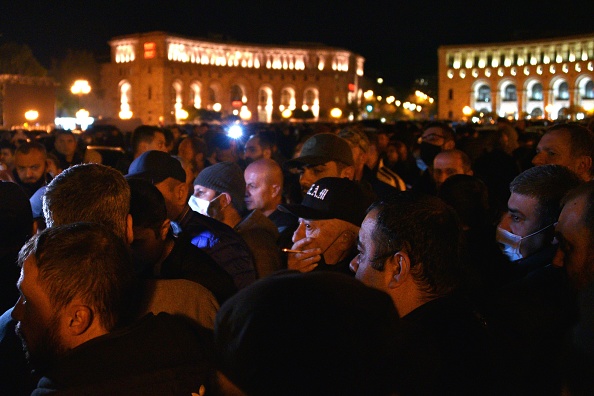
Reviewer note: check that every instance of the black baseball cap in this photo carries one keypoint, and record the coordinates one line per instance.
(331, 198)
(156, 166)
(322, 148)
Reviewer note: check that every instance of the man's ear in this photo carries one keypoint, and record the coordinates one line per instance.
(348, 172)
(399, 265)
(449, 145)
(181, 193)
(225, 200)
(267, 153)
(584, 165)
(129, 229)
(164, 229)
(79, 318)
(276, 190)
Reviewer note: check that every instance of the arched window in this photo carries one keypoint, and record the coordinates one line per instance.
(311, 101)
(537, 112)
(563, 93)
(287, 99)
(125, 99)
(509, 94)
(195, 95)
(536, 93)
(484, 94)
(265, 104)
(589, 90)
(236, 93)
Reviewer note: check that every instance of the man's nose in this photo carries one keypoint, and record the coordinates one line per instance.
(538, 159)
(299, 233)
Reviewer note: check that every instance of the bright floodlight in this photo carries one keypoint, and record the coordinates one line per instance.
(31, 115)
(235, 132)
(80, 87)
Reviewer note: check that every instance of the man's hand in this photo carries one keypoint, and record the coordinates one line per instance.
(308, 257)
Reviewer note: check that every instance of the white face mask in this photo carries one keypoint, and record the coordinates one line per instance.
(199, 205)
(204, 207)
(511, 242)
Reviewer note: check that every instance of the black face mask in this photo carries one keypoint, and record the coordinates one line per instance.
(429, 152)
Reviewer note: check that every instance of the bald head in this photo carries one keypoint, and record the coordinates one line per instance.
(264, 184)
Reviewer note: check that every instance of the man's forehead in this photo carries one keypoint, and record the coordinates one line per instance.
(522, 203)
(559, 137)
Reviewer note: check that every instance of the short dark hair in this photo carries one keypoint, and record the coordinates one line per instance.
(147, 205)
(469, 196)
(58, 132)
(87, 261)
(144, 133)
(429, 231)
(585, 190)
(548, 184)
(88, 192)
(448, 132)
(581, 139)
(7, 145)
(26, 147)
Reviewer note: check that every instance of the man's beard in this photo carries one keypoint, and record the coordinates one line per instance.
(46, 350)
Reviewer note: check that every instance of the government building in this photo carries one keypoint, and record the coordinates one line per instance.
(157, 77)
(549, 78)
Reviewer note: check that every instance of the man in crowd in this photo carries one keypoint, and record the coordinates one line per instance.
(30, 167)
(146, 138)
(156, 253)
(219, 192)
(7, 150)
(409, 247)
(575, 234)
(329, 220)
(436, 137)
(319, 333)
(448, 163)
(257, 147)
(217, 239)
(526, 231)
(570, 145)
(323, 155)
(77, 289)
(263, 191)
(65, 149)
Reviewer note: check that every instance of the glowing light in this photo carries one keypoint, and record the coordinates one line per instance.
(245, 114)
(487, 72)
(475, 73)
(552, 69)
(368, 94)
(450, 74)
(390, 99)
(181, 114)
(513, 71)
(588, 106)
(527, 71)
(31, 115)
(419, 108)
(500, 72)
(564, 68)
(467, 110)
(335, 113)
(539, 70)
(578, 67)
(398, 103)
(379, 98)
(462, 73)
(82, 114)
(287, 113)
(380, 80)
(217, 107)
(235, 132)
(125, 114)
(80, 87)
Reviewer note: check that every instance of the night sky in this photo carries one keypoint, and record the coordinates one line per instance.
(398, 39)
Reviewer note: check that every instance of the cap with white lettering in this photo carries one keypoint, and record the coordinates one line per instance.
(331, 198)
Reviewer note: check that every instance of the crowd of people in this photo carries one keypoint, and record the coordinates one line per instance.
(322, 259)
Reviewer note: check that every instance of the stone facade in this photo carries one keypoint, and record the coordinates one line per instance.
(156, 77)
(551, 79)
(20, 94)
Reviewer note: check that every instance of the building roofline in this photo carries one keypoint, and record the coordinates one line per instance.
(549, 40)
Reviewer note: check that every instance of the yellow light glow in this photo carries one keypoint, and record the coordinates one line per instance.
(379, 98)
(398, 103)
(217, 107)
(390, 99)
(125, 114)
(181, 114)
(549, 108)
(31, 115)
(245, 114)
(368, 94)
(336, 113)
(588, 107)
(467, 110)
(287, 113)
(305, 107)
(380, 80)
(80, 87)
(82, 114)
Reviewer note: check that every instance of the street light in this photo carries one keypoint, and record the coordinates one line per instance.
(80, 88)
(31, 115)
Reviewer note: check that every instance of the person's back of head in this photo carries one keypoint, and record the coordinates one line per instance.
(318, 333)
(469, 197)
(143, 134)
(88, 192)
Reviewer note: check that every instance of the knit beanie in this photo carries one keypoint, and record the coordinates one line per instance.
(225, 177)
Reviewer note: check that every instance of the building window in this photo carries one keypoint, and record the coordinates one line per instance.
(563, 91)
(484, 94)
(589, 90)
(509, 94)
(150, 93)
(536, 93)
(450, 94)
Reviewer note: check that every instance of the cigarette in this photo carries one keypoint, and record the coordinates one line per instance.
(291, 251)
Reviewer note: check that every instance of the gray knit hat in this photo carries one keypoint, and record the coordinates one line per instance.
(224, 177)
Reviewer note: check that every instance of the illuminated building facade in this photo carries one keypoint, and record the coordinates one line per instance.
(157, 76)
(552, 78)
